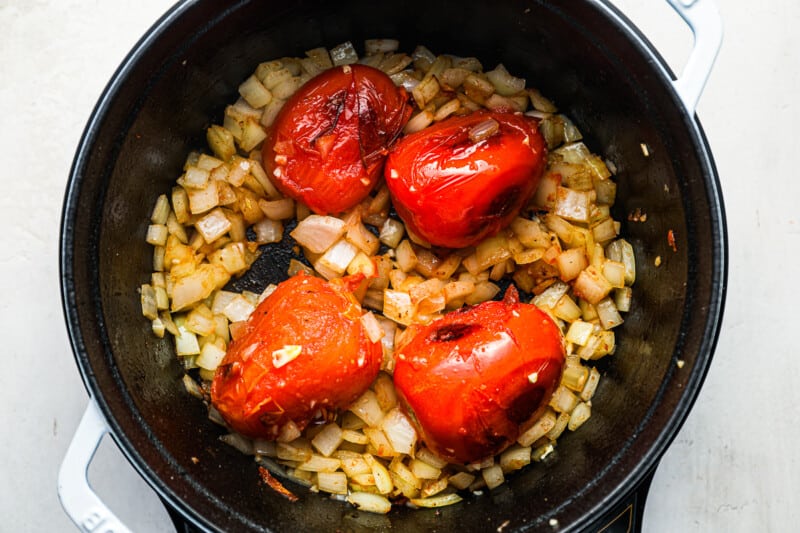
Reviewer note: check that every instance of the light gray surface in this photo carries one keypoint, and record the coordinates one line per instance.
(733, 467)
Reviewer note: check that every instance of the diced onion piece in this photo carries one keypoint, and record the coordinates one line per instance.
(161, 210)
(213, 225)
(221, 300)
(317, 233)
(353, 463)
(622, 251)
(368, 409)
(579, 332)
(504, 83)
(254, 92)
(575, 377)
(530, 233)
(567, 309)
(343, 54)
(605, 230)
(202, 200)
(419, 121)
(379, 443)
(622, 299)
(591, 285)
(355, 437)
(373, 503)
(563, 400)
(538, 429)
(383, 480)
(292, 449)
(285, 355)
(334, 262)
(319, 463)
(238, 309)
(195, 178)
(399, 431)
(461, 480)
(591, 385)
(545, 195)
(397, 306)
(268, 231)
(436, 501)
(561, 424)
(614, 272)
(539, 102)
(579, 415)
(333, 482)
(484, 291)
(608, 314)
(447, 109)
(550, 297)
(371, 327)
(515, 458)
(186, 342)
(221, 142)
(210, 356)
(277, 209)
(148, 300)
(405, 256)
(423, 470)
(493, 476)
(200, 320)
(198, 285)
(572, 205)
(571, 262)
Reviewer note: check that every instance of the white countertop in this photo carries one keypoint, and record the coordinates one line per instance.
(734, 465)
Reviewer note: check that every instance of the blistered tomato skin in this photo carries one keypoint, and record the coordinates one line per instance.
(453, 188)
(303, 352)
(329, 142)
(477, 378)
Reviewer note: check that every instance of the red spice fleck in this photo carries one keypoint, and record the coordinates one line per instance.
(671, 240)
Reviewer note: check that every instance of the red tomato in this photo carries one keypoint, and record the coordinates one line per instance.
(465, 178)
(260, 386)
(328, 143)
(475, 379)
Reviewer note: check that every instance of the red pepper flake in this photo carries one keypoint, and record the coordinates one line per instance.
(671, 240)
(276, 485)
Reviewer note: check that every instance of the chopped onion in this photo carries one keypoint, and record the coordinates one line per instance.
(368, 409)
(493, 476)
(504, 83)
(319, 463)
(373, 503)
(317, 233)
(371, 327)
(343, 54)
(435, 501)
(399, 431)
(333, 482)
(580, 414)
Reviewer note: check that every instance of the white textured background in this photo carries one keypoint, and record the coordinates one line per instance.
(733, 467)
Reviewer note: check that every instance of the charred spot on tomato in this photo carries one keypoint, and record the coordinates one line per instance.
(505, 202)
(452, 332)
(525, 405)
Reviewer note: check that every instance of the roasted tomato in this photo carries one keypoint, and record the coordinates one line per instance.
(467, 177)
(303, 353)
(328, 143)
(475, 379)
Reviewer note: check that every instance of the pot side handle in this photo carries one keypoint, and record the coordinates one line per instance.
(78, 499)
(705, 22)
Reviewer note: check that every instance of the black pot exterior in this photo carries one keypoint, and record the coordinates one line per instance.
(583, 54)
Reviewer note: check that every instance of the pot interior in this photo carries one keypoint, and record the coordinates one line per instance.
(177, 82)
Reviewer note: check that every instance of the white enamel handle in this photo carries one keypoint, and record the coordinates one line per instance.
(703, 19)
(80, 502)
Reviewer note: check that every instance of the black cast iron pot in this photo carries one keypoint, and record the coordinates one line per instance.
(599, 70)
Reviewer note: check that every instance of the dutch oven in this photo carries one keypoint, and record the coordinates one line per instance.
(585, 55)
